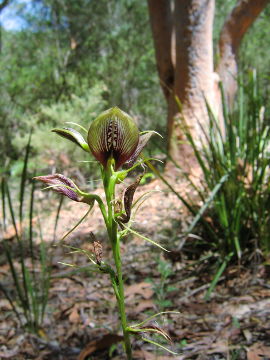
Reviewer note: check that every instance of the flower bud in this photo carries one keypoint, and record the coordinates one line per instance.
(73, 136)
(56, 180)
(113, 135)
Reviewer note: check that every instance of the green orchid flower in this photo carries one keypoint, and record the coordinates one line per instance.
(115, 141)
(113, 135)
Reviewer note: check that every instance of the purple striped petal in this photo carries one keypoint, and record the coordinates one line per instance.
(58, 179)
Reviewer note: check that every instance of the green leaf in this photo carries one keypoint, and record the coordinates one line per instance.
(159, 345)
(78, 223)
(145, 238)
(153, 316)
(72, 135)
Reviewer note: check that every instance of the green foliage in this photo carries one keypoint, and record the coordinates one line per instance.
(234, 159)
(254, 51)
(161, 285)
(27, 287)
(71, 60)
(147, 177)
(67, 49)
(239, 149)
(78, 109)
(109, 141)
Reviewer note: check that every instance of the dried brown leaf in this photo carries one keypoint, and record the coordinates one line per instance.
(128, 199)
(103, 343)
(143, 288)
(146, 355)
(258, 352)
(143, 305)
(9, 354)
(74, 316)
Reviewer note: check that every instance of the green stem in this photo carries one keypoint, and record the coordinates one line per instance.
(109, 181)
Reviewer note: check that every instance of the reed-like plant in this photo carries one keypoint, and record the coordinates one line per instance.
(233, 155)
(115, 142)
(28, 291)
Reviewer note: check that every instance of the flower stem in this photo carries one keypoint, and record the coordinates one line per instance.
(109, 187)
(121, 300)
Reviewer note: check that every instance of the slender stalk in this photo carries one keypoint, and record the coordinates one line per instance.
(121, 301)
(109, 187)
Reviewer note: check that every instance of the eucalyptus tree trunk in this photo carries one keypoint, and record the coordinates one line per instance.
(182, 32)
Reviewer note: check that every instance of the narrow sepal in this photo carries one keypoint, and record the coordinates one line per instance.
(55, 181)
(74, 136)
(113, 134)
(128, 199)
(143, 140)
(158, 330)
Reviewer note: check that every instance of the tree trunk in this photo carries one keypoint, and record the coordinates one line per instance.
(235, 27)
(194, 74)
(162, 27)
(183, 42)
(182, 32)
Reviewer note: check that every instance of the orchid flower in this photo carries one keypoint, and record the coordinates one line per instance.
(114, 140)
(112, 135)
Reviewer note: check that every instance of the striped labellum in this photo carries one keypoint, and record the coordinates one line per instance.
(113, 134)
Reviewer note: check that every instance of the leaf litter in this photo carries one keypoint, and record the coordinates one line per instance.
(81, 319)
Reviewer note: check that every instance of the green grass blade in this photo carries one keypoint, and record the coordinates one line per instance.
(144, 237)
(45, 278)
(33, 308)
(217, 277)
(31, 214)
(154, 316)
(15, 277)
(20, 244)
(3, 200)
(207, 203)
(78, 223)
(12, 213)
(159, 345)
(10, 300)
(24, 178)
(61, 201)
(155, 171)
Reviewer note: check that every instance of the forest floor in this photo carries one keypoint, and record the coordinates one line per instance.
(81, 320)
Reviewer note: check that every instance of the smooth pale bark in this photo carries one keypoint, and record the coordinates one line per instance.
(194, 73)
(235, 27)
(182, 33)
